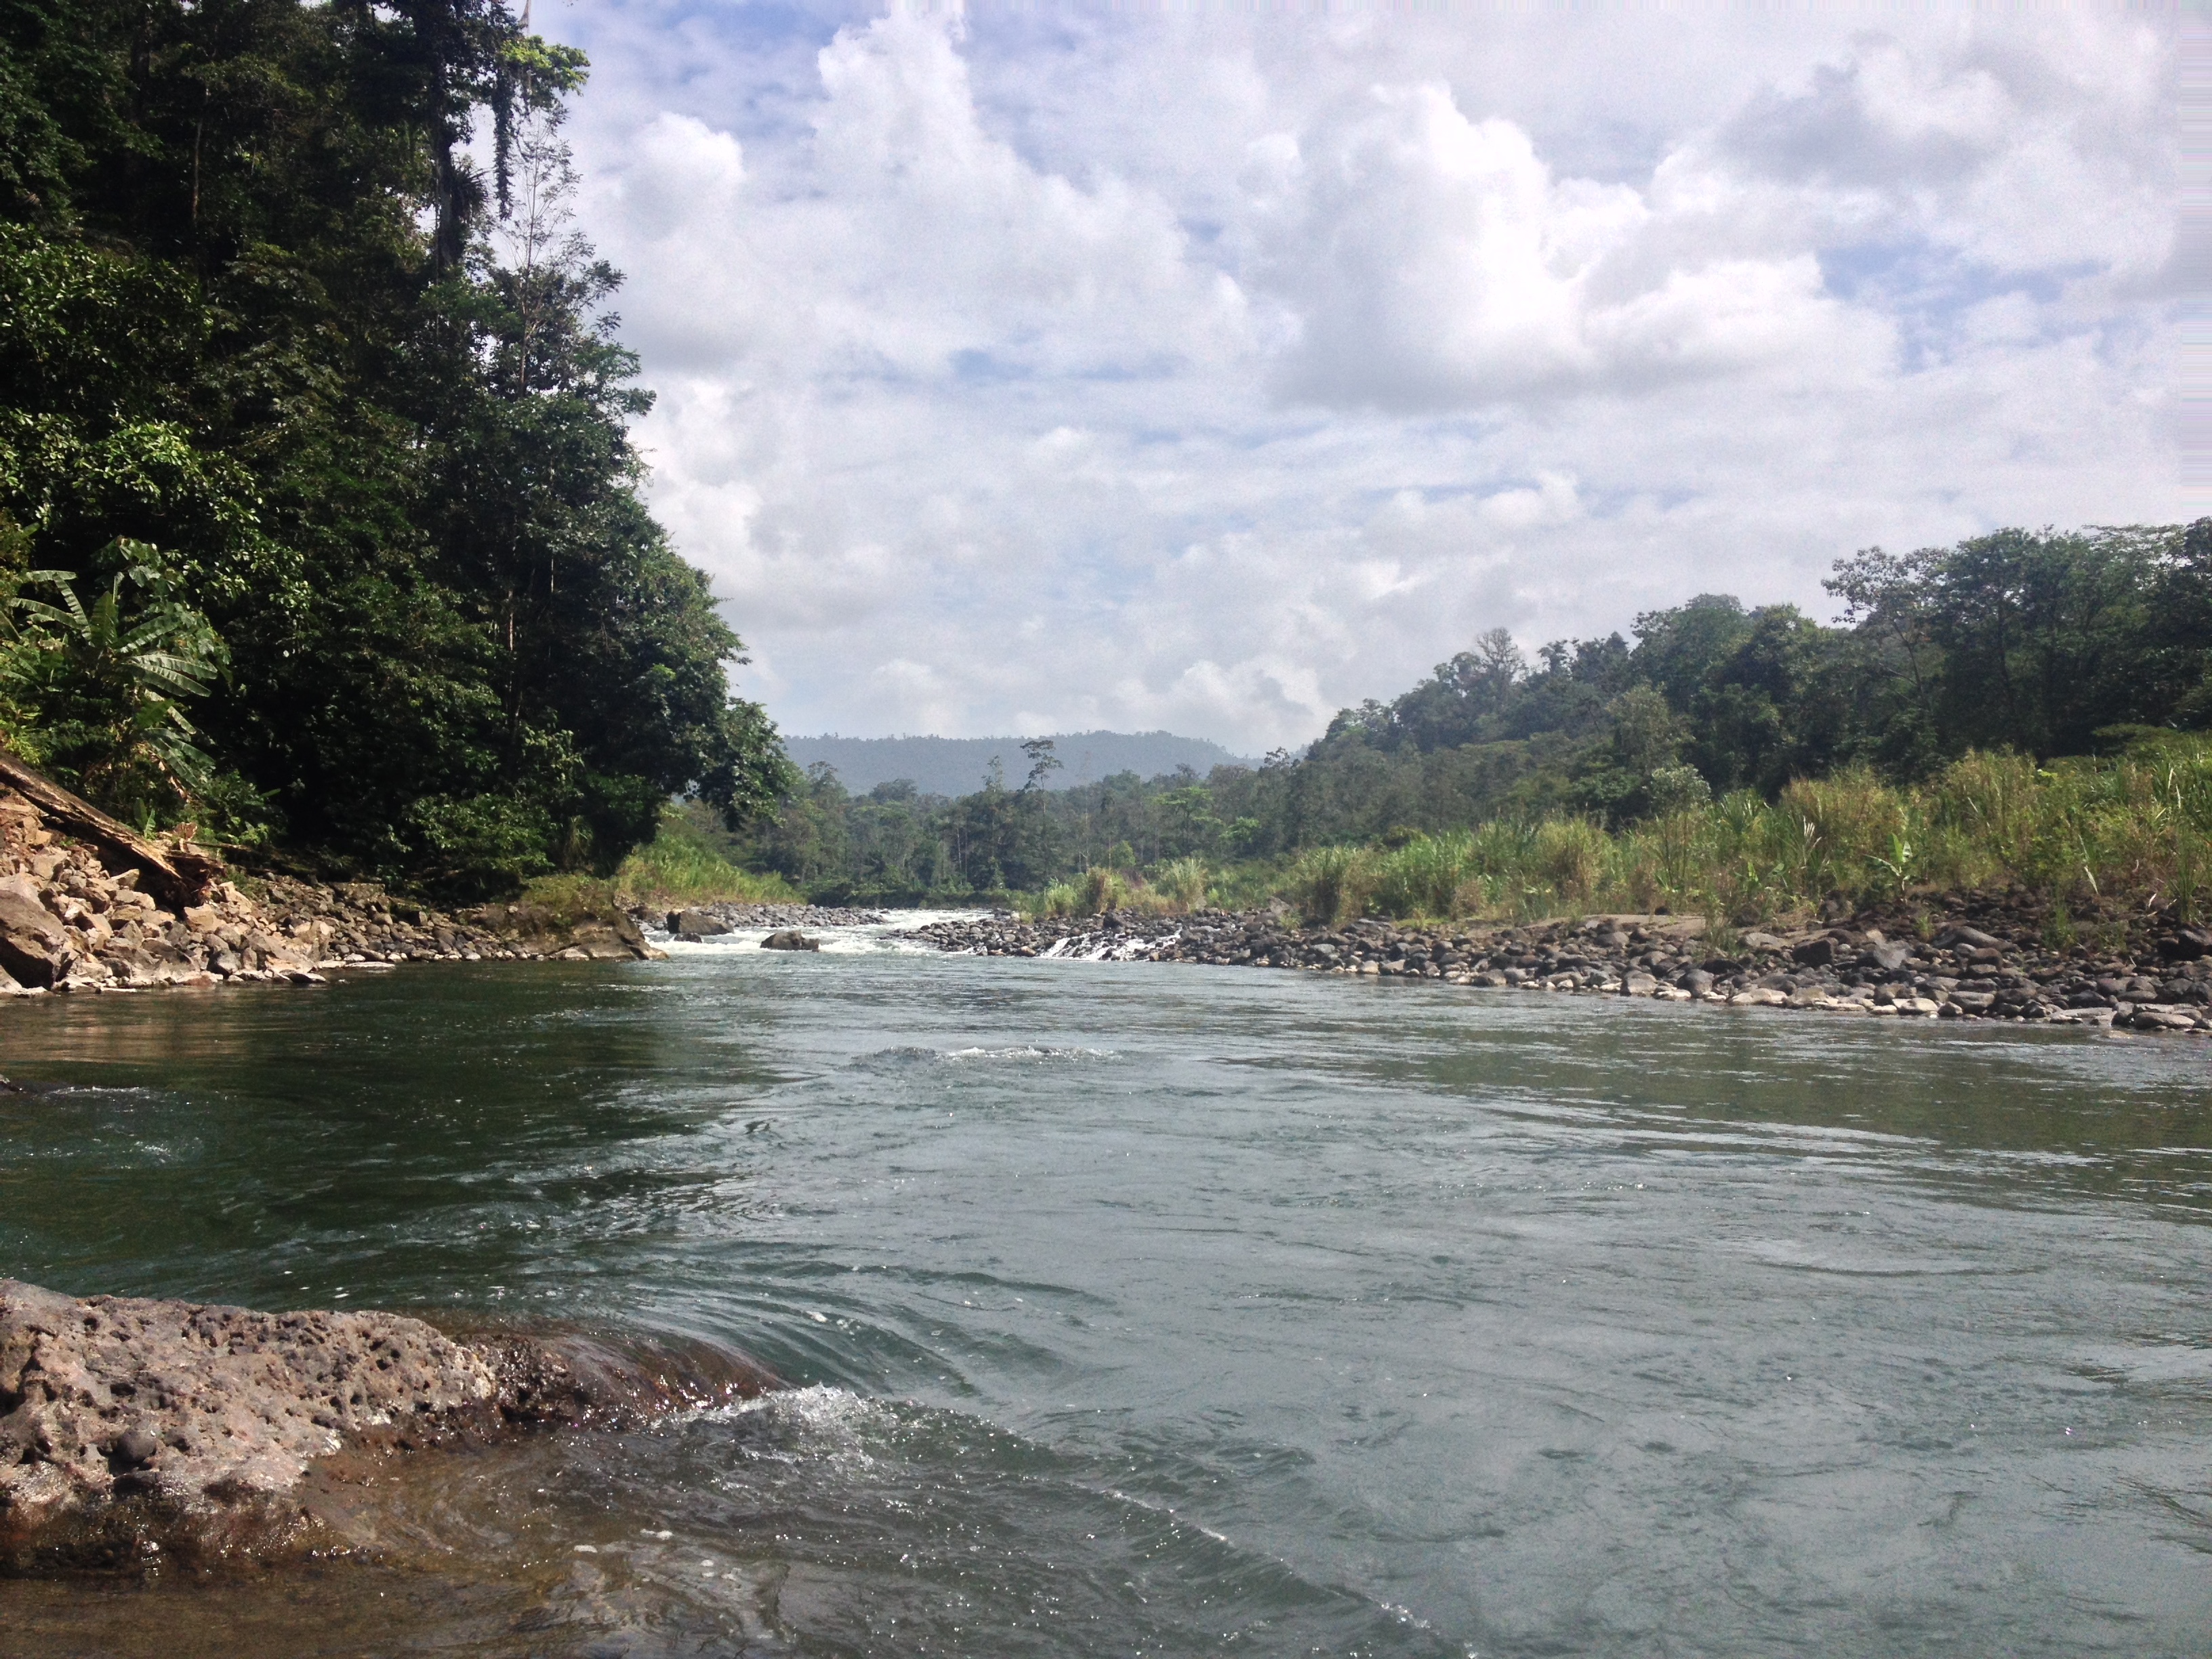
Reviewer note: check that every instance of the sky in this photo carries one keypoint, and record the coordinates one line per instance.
(1038, 368)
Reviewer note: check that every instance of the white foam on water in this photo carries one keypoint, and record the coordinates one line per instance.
(1025, 1051)
(818, 1423)
(1074, 948)
(864, 938)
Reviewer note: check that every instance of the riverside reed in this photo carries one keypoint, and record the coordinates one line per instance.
(2095, 839)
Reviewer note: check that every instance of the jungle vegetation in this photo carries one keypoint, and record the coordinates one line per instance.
(2020, 707)
(319, 523)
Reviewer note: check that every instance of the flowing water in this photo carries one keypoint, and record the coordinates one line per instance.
(1144, 1310)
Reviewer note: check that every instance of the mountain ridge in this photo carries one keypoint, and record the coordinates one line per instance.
(958, 766)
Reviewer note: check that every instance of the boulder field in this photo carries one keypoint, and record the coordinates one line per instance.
(132, 1428)
(1970, 960)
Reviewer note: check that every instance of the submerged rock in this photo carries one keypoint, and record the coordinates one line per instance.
(790, 939)
(126, 1421)
(190, 1408)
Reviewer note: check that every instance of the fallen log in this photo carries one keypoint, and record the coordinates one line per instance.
(176, 875)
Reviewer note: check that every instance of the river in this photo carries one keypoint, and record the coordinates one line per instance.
(1142, 1309)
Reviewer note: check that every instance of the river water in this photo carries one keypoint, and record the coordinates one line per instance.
(1143, 1309)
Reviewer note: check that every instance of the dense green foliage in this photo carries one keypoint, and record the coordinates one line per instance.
(2035, 644)
(341, 420)
(2031, 642)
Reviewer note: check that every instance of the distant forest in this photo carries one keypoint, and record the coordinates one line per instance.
(2044, 643)
(957, 766)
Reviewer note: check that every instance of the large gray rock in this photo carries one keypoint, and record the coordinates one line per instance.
(2151, 1018)
(696, 924)
(124, 1420)
(1974, 938)
(35, 948)
(194, 1408)
(790, 939)
(1888, 956)
(580, 927)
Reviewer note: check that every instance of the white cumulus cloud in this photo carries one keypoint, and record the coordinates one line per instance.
(1215, 372)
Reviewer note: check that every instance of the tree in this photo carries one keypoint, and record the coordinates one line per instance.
(100, 689)
(257, 308)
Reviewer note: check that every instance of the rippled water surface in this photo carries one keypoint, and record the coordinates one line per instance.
(1146, 1309)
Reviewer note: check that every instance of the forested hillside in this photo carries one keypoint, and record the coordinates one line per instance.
(319, 527)
(955, 765)
(2043, 644)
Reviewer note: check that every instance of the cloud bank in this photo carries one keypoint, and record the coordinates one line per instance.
(1029, 371)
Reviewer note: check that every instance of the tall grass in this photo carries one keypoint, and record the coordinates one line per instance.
(675, 869)
(1330, 884)
(1182, 884)
(1174, 887)
(2085, 835)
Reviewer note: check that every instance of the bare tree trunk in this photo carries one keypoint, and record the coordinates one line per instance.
(176, 875)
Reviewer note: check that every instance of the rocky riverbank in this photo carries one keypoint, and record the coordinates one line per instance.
(134, 1429)
(696, 923)
(86, 905)
(1972, 960)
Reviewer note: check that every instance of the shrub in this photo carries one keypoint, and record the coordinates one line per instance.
(1331, 884)
(1182, 884)
(676, 867)
(95, 694)
(1099, 889)
(1424, 876)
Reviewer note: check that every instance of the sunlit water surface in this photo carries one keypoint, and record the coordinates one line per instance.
(1145, 1309)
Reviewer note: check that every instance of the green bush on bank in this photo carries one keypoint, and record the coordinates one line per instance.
(677, 866)
(1174, 887)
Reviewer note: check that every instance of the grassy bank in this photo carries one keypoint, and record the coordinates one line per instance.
(679, 867)
(2092, 838)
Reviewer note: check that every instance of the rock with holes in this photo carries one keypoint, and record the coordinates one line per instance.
(190, 1407)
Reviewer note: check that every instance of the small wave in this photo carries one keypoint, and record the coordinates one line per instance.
(1025, 1051)
(909, 1056)
(1796, 1256)
(1083, 947)
(817, 1423)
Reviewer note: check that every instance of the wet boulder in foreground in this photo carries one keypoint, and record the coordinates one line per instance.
(188, 1407)
(124, 1420)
